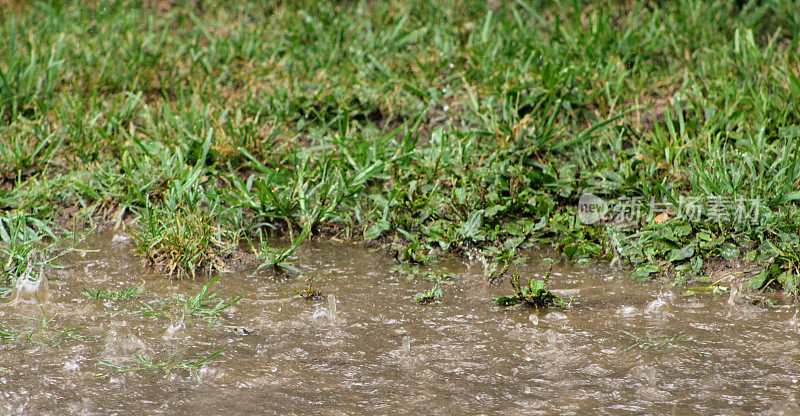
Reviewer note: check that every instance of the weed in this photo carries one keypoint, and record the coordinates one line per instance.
(435, 293)
(534, 293)
(308, 292)
(783, 267)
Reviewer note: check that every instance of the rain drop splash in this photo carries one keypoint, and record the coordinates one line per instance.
(332, 313)
(732, 297)
(30, 288)
(657, 307)
(551, 337)
(175, 329)
(406, 346)
(626, 311)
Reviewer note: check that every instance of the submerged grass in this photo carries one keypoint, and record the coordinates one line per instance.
(166, 365)
(308, 292)
(44, 331)
(653, 340)
(205, 305)
(426, 128)
(122, 294)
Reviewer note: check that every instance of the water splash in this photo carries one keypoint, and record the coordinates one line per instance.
(31, 287)
(121, 344)
(329, 311)
(657, 307)
(551, 337)
(649, 390)
(120, 239)
(406, 347)
(332, 311)
(556, 316)
(732, 297)
(71, 367)
(175, 330)
(626, 311)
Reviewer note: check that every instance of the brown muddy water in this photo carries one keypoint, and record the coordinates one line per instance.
(624, 347)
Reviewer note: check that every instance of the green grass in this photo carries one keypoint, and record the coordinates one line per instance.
(429, 128)
(28, 245)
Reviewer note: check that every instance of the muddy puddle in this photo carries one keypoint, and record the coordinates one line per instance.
(624, 347)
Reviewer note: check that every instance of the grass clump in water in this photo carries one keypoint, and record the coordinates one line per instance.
(278, 259)
(432, 295)
(22, 242)
(183, 242)
(205, 304)
(45, 331)
(532, 294)
(653, 340)
(6, 334)
(29, 246)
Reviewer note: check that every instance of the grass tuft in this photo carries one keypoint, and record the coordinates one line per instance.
(183, 243)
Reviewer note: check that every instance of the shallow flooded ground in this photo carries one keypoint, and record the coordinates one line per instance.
(623, 347)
